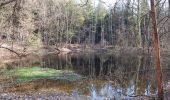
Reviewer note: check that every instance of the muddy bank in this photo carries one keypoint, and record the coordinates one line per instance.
(59, 96)
(8, 51)
(19, 51)
(38, 96)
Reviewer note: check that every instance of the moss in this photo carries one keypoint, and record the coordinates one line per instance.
(35, 73)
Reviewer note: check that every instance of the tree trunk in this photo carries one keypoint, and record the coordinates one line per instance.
(156, 45)
(169, 7)
(139, 40)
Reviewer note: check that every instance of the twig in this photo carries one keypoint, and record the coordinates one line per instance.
(162, 20)
(5, 3)
(85, 3)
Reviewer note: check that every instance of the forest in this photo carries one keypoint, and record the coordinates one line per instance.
(109, 46)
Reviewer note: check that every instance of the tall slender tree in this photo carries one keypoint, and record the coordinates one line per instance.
(156, 50)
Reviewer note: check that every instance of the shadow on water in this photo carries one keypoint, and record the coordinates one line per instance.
(106, 75)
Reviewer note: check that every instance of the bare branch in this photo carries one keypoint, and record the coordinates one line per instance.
(162, 20)
(18, 54)
(7, 2)
(84, 3)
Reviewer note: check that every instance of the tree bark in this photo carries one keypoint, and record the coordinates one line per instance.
(156, 45)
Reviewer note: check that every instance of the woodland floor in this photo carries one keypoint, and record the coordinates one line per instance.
(54, 96)
(58, 96)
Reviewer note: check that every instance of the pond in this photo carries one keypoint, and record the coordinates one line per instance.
(97, 75)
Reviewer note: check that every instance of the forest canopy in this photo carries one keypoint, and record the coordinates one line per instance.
(52, 22)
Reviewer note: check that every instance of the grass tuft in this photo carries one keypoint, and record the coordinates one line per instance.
(35, 73)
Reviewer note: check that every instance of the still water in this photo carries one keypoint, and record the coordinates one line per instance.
(119, 75)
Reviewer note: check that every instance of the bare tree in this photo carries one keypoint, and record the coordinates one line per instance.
(156, 50)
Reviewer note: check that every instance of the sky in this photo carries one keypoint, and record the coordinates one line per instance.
(108, 2)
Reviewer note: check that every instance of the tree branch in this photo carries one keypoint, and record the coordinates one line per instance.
(84, 3)
(5, 3)
(18, 54)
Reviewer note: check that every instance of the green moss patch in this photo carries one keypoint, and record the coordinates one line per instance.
(35, 73)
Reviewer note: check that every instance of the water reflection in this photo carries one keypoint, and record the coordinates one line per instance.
(94, 65)
(134, 75)
(107, 75)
